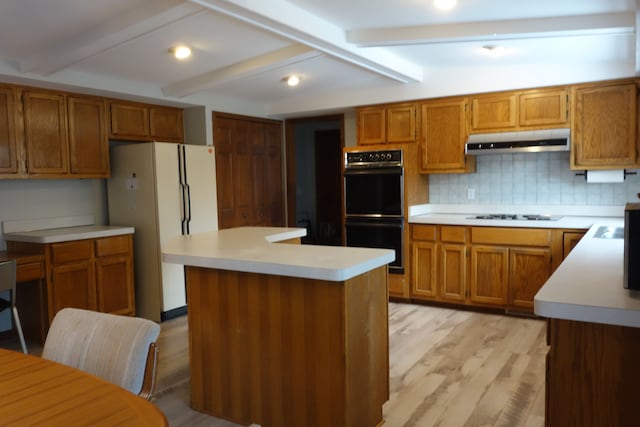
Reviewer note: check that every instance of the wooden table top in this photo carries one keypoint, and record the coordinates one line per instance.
(36, 391)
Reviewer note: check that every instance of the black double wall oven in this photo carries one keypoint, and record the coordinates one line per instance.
(374, 202)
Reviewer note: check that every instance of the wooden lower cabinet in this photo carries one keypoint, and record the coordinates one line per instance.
(489, 275)
(93, 274)
(500, 267)
(592, 374)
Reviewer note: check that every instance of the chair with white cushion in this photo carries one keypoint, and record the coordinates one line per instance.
(119, 349)
(8, 283)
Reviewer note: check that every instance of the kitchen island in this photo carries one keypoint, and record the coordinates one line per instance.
(285, 334)
(594, 335)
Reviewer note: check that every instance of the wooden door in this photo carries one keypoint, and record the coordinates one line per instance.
(544, 108)
(273, 141)
(529, 270)
(453, 272)
(425, 270)
(443, 133)
(401, 123)
(114, 284)
(494, 112)
(8, 131)
(604, 134)
(489, 274)
(223, 139)
(371, 125)
(569, 241)
(129, 121)
(166, 124)
(259, 183)
(45, 132)
(72, 285)
(88, 137)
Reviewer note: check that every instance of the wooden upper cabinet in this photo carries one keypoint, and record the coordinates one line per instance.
(143, 122)
(8, 131)
(544, 108)
(166, 124)
(393, 123)
(45, 132)
(88, 136)
(371, 125)
(129, 120)
(604, 131)
(443, 133)
(401, 123)
(494, 112)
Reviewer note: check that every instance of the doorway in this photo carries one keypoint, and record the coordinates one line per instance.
(314, 178)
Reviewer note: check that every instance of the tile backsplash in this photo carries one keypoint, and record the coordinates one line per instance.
(528, 179)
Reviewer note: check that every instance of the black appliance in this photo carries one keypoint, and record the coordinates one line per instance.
(374, 202)
(631, 275)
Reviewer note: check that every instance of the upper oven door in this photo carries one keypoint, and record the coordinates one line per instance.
(374, 192)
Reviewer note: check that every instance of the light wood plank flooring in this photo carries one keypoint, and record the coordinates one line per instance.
(447, 368)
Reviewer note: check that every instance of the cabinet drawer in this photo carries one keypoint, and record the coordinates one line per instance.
(453, 234)
(510, 236)
(70, 251)
(424, 232)
(112, 245)
(29, 271)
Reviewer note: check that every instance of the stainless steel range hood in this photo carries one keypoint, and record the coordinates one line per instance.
(533, 141)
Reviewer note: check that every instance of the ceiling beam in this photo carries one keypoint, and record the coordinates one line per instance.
(135, 23)
(256, 65)
(294, 23)
(495, 30)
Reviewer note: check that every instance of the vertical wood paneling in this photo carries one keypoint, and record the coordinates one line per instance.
(283, 351)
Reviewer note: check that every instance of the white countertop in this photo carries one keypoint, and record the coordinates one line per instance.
(65, 234)
(588, 284)
(578, 217)
(254, 250)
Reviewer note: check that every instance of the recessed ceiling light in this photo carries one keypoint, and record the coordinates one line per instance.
(181, 52)
(494, 51)
(445, 4)
(292, 80)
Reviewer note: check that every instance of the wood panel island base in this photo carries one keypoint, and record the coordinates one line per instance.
(284, 334)
(285, 351)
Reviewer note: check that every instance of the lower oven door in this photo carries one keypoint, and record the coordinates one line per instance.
(377, 233)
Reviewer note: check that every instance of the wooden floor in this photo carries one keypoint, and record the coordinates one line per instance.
(448, 368)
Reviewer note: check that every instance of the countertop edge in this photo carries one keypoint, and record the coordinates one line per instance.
(67, 235)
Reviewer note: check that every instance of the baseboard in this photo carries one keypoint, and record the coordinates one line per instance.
(173, 313)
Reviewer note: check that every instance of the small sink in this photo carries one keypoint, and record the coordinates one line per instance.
(609, 233)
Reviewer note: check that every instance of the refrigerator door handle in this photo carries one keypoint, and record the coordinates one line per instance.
(188, 204)
(183, 196)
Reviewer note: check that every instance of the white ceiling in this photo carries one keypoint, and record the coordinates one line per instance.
(348, 52)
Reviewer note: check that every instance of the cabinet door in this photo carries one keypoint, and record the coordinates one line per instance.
(569, 241)
(425, 270)
(45, 132)
(114, 284)
(401, 123)
(489, 274)
(371, 125)
(72, 285)
(493, 112)
(8, 131)
(529, 269)
(544, 108)
(443, 133)
(88, 137)
(604, 132)
(129, 121)
(166, 124)
(453, 272)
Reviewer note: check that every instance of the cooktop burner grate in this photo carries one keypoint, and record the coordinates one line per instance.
(517, 217)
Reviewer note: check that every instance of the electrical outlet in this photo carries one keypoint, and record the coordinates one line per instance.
(471, 193)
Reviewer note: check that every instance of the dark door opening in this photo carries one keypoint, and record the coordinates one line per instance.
(314, 178)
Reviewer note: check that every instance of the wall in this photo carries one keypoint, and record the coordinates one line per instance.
(528, 179)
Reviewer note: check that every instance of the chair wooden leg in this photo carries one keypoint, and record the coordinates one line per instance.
(19, 329)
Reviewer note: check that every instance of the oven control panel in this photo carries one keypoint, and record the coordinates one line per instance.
(373, 159)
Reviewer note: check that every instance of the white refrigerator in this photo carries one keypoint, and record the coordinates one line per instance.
(163, 190)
